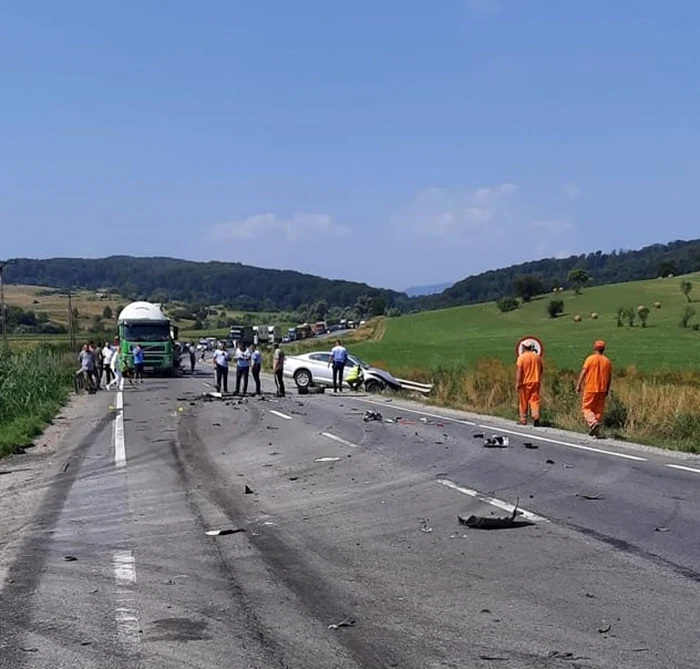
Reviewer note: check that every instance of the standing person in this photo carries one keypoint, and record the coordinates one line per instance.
(139, 363)
(256, 360)
(528, 380)
(116, 368)
(193, 357)
(96, 353)
(87, 366)
(278, 369)
(107, 354)
(594, 382)
(339, 356)
(242, 356)
(221, 359)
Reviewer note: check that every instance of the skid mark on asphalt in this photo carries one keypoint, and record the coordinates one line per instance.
(500, 504)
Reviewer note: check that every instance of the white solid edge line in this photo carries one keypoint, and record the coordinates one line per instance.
(420, 413)
(340, 440)
(516, 434)
(528, 515)
(685, 469)
(281, 415)
(119, 443)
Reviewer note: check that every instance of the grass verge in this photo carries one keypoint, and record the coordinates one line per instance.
(34, 385)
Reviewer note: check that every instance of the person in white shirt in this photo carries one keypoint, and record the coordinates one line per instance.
(242, 356)
(221, 358)
(107, 354)
(339, 356)
(116, 368)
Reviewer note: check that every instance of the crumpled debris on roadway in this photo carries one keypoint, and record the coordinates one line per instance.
(370, 415)
(488, 523)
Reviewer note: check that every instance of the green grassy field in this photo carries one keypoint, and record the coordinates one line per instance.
(464, 335)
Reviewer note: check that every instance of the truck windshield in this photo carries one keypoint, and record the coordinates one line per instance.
(147, 332)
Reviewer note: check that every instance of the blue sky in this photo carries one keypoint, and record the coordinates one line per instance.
(398, 142)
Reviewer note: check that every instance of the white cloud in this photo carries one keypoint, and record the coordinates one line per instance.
(297, 228)
(456, 215)
(572, 191)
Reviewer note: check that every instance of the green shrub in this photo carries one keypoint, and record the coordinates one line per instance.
(555, 307)
(506, 304)
(616, 413)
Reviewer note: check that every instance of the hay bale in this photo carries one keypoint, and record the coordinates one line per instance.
(577, 318)
(594, 316)
(657, 305)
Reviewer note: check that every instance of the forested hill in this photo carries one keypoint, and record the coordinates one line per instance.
(678, 257)
(167, 279)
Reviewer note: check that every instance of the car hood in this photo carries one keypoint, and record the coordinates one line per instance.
(382, 374)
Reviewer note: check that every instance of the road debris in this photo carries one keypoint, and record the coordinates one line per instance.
(293, 478)
(478, 435)
(70, 558)
(496, 441)
(29, 650)
(345, 622)
(605, 627)
(591, 497)
(222, 533)
(661, 529)
(493, 658)
(529, 444)
(549, 461)
(65, 467)
(498, 523)
(327, 459)
(249, 490)
(426, 526)
(370, 415)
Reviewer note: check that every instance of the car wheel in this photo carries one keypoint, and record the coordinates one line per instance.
(302, 377)
(374, 386)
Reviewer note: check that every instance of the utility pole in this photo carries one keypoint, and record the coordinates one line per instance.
(71, 328)
(3, 317)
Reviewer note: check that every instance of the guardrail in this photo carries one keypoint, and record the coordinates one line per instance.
(415, 387)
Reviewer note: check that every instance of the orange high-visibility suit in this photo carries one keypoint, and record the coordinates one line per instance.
(529, 378)
(598, 376)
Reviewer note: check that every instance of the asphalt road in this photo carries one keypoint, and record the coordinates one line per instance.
(107, 562)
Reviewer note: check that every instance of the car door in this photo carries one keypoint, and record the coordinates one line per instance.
(320, 371)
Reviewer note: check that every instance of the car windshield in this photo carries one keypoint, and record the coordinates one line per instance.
(359, 361)
(146, 332)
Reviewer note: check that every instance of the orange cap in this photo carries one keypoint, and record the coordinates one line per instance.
(599, 345)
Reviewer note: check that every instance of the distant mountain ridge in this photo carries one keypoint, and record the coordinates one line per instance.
(420, 291)
(168, 279)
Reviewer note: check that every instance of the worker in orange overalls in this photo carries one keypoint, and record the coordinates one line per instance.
(528, 379)
(594, 381)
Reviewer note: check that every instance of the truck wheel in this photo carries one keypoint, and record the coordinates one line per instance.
(302, 378)
(374, 386)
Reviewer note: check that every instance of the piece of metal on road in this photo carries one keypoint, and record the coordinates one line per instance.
(499, 504)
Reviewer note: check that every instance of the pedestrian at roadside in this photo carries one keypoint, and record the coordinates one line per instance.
(528, 381)
(87, 366)
(242, 356)
(339, 356)
(139, 363)
(96, 353)
(107, 354)
(256, 362)
(278, 369)
(594, 382)
(193, 357)
(115, 365)
(221, 360)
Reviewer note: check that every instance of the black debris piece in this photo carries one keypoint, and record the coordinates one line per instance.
(370, 415)
(216, 424)
(496, 441)
(661, 529)
(590, 497)
(478, 435)
(529, 444)
(605, 627)
(223, 533)
(249, 490)
(65, 467)
(293, 478)
(488, 523)
(272, 427)
(549, 461)
(70, 558)
(345, 622)
(493, 658)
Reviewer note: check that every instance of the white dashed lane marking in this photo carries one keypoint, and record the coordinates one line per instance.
(338, 440)
(279, 414)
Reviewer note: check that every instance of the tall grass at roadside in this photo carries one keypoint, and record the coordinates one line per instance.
(34, 384)
(661, 409)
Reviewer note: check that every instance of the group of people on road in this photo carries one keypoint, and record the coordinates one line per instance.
(247, 359)
(101, 365)
(593, 385)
